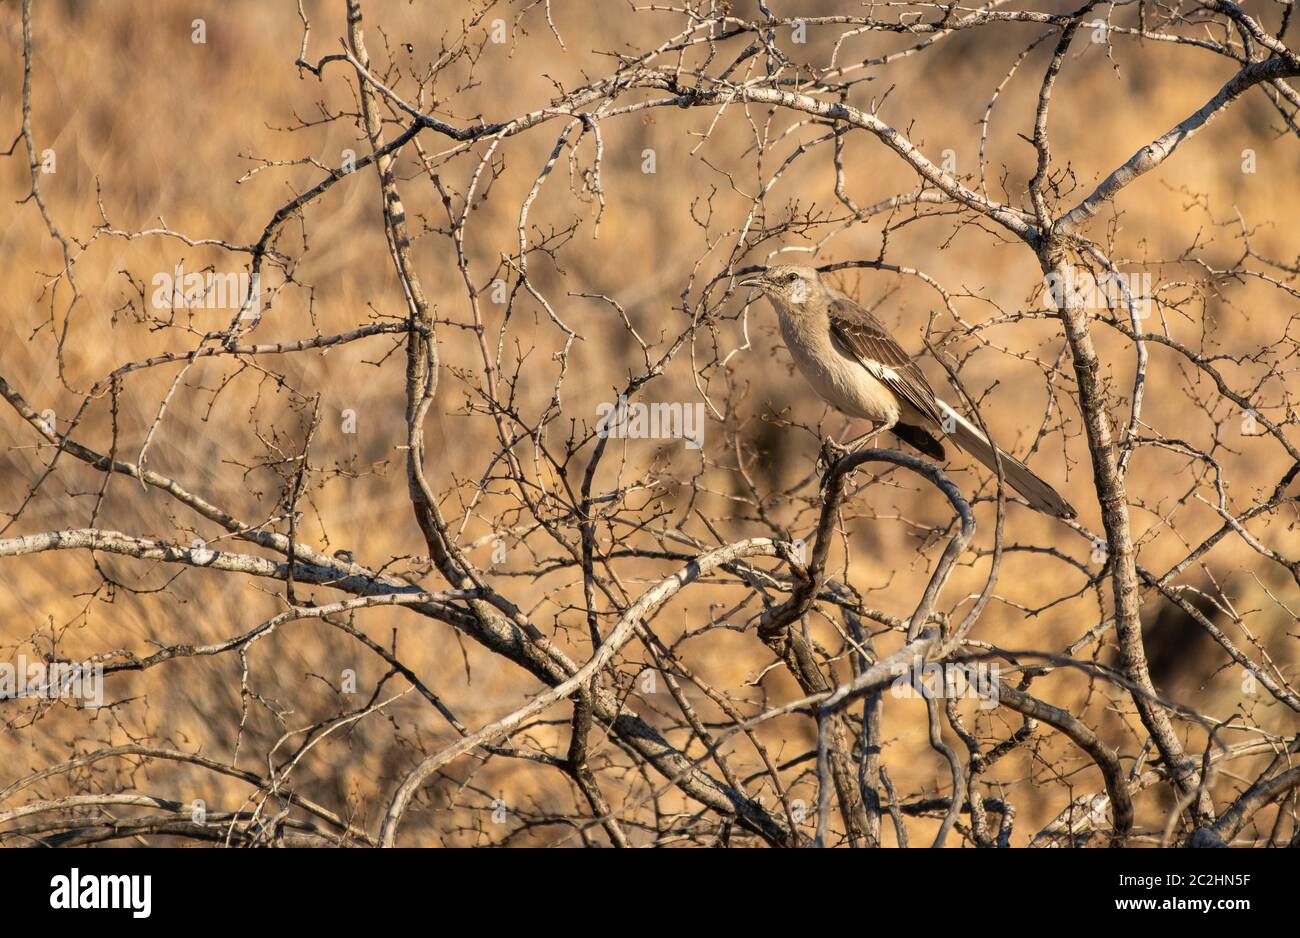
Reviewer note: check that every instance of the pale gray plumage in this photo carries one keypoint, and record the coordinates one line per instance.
(852, 362)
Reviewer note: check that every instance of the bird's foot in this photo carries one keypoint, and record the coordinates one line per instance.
(831, 453)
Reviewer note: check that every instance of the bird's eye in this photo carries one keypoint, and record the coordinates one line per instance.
(791, 278)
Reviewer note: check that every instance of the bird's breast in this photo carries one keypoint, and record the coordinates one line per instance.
(838, 379)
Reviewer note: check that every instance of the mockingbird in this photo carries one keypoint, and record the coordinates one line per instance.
(854, 364)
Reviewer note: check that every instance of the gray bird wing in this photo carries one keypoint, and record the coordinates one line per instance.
(858, 333)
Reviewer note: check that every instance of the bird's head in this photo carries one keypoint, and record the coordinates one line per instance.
(790, 284)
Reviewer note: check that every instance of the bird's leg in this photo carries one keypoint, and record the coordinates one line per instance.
(832, 451)
(855, 444)
(858, 442)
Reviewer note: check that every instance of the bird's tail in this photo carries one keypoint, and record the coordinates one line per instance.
(1041, 496)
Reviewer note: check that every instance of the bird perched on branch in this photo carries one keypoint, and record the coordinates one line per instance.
(849, 358)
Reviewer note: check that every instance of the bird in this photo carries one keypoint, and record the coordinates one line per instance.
(852, 362)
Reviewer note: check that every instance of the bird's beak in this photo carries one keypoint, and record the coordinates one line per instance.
(754, 282)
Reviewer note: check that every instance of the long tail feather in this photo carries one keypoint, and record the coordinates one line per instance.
(1041, 496)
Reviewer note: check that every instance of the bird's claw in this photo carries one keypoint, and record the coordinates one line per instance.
(831, 453)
